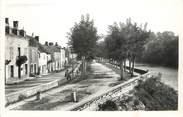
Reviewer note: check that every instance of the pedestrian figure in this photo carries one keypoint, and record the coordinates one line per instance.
(67, 74)
(38, 97)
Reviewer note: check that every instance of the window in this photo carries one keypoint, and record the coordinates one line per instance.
(25, 51)
(11, 53)
(35, 56)
(19, 51)
(11, 71)
(26, 71)
(32, 68)
(32, 55)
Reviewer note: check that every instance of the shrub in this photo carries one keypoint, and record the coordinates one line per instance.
(21, 97)
(21, 60)
(32, 75)
(157, 96)
(108, 106)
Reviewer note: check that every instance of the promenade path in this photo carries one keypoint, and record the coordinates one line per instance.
(35, 82)
(100, 79)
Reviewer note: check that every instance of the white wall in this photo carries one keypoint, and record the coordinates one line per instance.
(43, 63)
(62, 57)
(12, 42)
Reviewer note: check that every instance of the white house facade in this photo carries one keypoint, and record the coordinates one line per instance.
(16, 45)
(43, 58)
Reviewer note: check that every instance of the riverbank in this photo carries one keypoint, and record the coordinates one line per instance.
(149, 95)
(169, 75)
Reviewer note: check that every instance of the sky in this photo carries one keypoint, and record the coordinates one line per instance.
(52, 19)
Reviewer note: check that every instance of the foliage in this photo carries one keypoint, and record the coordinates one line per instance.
(49, 61)
(124, 41)
(32, 75)
(21, 60)
(108, 106)
(156, 96)
(83, 37)
(162, 48)
(21, 97)
(7, 62)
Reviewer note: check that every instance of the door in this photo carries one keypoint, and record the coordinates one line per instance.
(19, 51)
(35, 68)
(25, 68)
(12, 71)
(19, 68)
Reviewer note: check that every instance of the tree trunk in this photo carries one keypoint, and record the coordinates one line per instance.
(133, 65)
(129, 65)
(121, 67)
(113, 62)
(116, 64)
(83, 68)
(125, 65)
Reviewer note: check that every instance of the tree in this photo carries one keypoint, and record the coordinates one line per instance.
(136, 41)
(161, 49)
(83, 38)
(116, 46)
(125, 41)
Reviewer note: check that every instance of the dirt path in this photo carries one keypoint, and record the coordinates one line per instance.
(100, 78)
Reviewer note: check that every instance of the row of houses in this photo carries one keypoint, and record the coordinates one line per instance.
(26, 57)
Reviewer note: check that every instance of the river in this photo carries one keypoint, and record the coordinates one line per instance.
(169, 75)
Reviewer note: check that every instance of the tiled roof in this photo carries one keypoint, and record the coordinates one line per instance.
(32, 41)
(41, 48)
(52, 49)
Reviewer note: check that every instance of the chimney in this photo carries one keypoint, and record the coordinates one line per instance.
(50, 43)
(46, 43)
(7, 21)
(15, 24)
(56, 44)
(37, 38)
(15, 27)
(22, 33)
(7, 27)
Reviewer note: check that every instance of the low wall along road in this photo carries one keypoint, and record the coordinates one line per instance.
(20, 95)
(113, 92)
(117, 90)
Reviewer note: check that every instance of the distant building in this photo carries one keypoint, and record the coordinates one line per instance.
(63, 58)
(49, 62)
(33, 55)
(26, 57)
(43, 63)
(57, 56)
(16, 46)
(44, 60)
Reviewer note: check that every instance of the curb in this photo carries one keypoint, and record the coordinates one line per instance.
(26, 93)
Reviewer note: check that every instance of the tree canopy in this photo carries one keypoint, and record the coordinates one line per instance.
(83, 37)
(162, 49)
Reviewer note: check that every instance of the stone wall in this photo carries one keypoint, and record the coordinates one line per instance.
(20, 95)
(116, 91)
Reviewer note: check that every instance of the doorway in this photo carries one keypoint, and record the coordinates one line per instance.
(11, 71)
(25, 68)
